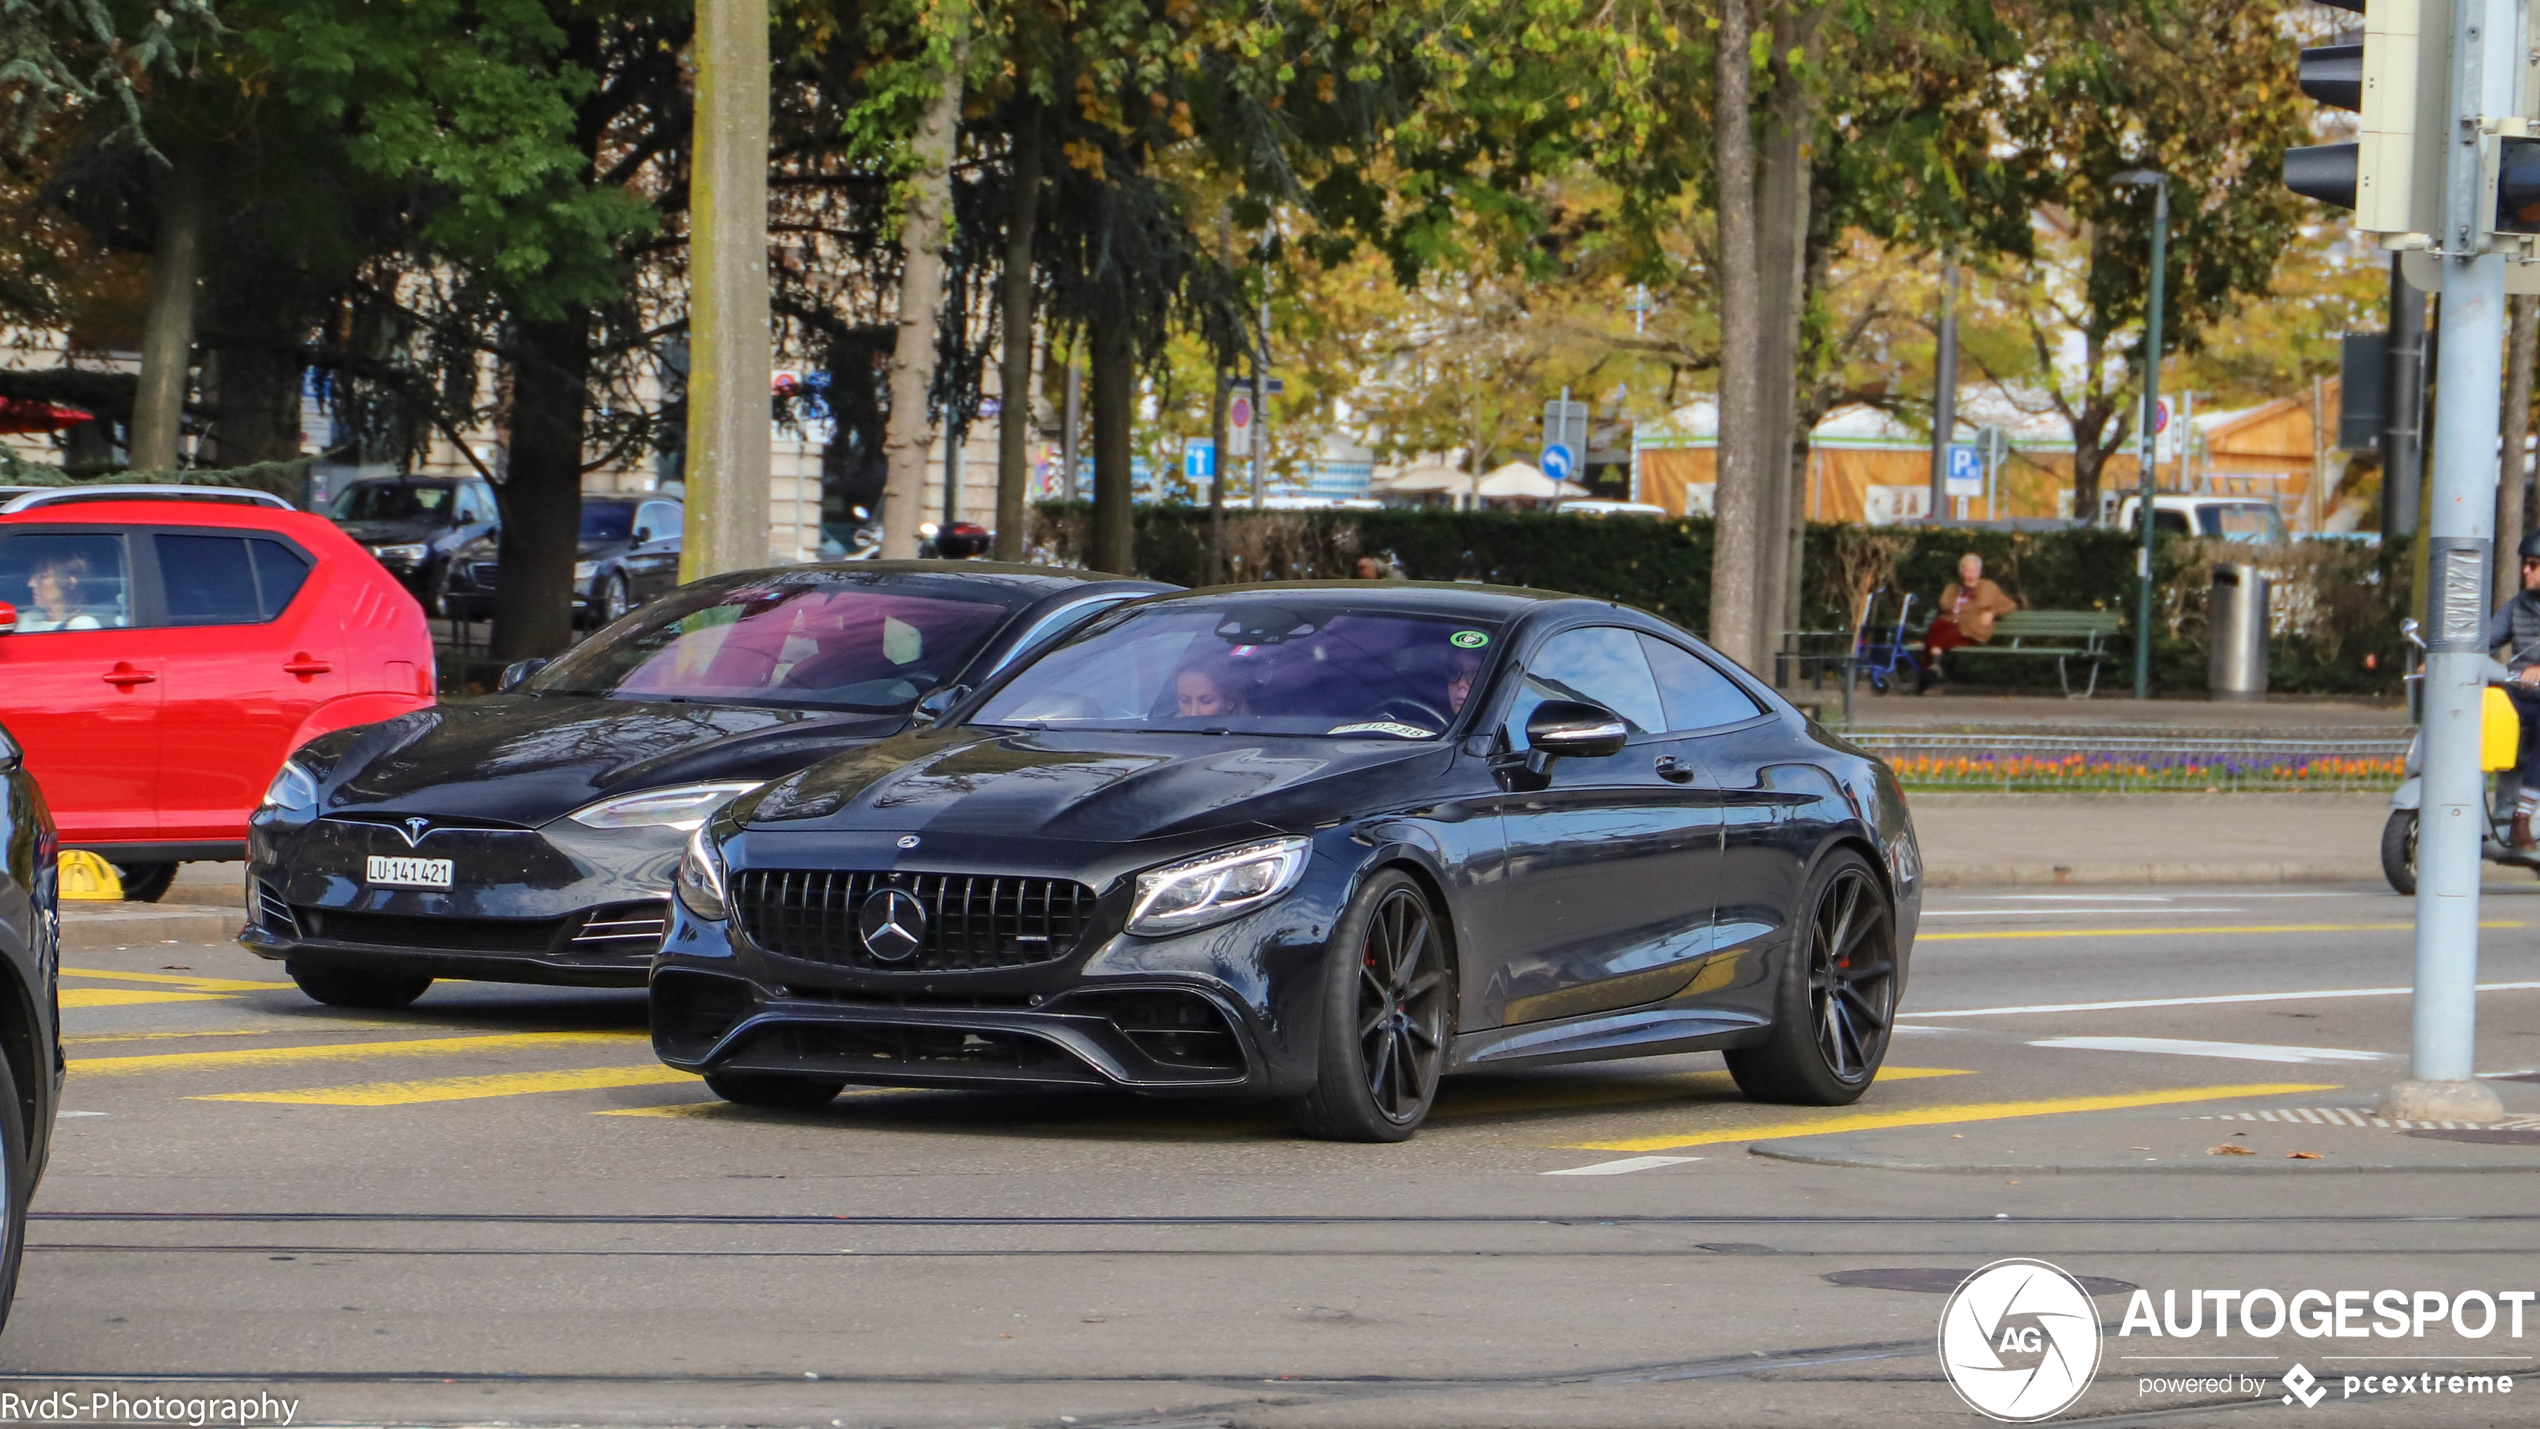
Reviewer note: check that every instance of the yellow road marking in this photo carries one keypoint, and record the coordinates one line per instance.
(459, 1089)
(2181, 932)
(1583, 1093)
(131, 997)
(281, 1030)
(195, 984)
(341, 1051)
(1948, 1115)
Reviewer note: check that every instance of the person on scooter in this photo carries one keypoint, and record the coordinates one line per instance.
(2516, 626)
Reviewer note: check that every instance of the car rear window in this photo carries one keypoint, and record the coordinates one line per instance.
(64, 580)
(227, 580)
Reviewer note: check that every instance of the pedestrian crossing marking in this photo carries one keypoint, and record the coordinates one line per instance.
(131, 997)
(343, 1051)
(459, 1089)
(191, 984)
(1947, 1116)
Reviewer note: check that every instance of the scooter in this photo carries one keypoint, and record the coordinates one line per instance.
(2499, 736)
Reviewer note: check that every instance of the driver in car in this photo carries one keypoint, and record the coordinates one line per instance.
(1210, 687)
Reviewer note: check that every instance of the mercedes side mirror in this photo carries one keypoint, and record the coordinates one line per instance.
(1575, 729)
(643, 534)
(517, 673)
(937, 703)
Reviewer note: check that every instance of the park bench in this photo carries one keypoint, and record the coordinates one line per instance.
(2059, 635)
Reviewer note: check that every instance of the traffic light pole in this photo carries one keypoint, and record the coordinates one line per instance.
(2442, 1081)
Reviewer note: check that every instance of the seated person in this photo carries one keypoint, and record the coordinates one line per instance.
(1208, 688)
(1967, 609)
(53, 592)
(1459, 679)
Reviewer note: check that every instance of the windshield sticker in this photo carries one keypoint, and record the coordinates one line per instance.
(1468, 639)
(1384, 726)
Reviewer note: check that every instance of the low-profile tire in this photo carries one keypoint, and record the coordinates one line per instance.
(17, 1162)
(145, 882)
(1388, 1013)
(2399, 851)
(616, 599)
(344, 987)
(775, 1090)
(1836, 998)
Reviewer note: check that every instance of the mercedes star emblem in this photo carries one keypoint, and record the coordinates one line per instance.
(893, 924)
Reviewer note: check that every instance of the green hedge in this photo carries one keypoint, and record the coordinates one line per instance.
(1665, 567)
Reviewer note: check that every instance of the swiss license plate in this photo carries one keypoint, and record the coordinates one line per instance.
(409, 872)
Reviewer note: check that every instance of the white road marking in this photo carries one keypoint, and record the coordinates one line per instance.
(1628, 1163)
(2063, 912)
(2202, 1001)
(2076, 897)
(2185, 1047)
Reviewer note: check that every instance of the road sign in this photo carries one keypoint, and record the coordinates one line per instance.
(1239, 414)
(1565, 424)
(1271, 385)
(1966, 470)
(1557, 462)
(1199, 458)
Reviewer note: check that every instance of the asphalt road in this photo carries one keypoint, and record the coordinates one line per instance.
(496, 1207)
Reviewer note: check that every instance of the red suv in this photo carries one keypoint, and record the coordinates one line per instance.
(163, 648)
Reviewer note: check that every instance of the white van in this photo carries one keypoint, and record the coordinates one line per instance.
(2226, 518)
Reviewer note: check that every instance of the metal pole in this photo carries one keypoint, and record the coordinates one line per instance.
(1261, 411)
(729, 359)
(2452, 823)
(1071, 432)
(1944, 397)
(2151, 452)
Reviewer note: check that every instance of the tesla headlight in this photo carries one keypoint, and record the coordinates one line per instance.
(684, 808)
(1199, 891)
(398, 555)
(584, 570)
(700, 879)
(292, 795)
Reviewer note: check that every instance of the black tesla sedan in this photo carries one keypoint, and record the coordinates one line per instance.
(531, 836)
(1325, 843)
(30, 1028)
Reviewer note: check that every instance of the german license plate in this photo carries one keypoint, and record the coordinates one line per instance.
(408, 872)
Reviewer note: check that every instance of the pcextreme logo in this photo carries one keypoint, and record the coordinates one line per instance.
(2019, 1341)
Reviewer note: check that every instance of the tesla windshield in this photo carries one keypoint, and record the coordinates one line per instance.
(1272, 667)
(823, 642)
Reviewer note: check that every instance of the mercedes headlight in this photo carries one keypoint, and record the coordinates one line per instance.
(292, 795)
(700, 879)
(584, 570)
(1214, 887)
(684, 808)
(398, 555)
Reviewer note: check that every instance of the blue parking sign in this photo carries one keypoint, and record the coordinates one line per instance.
(1966, 471)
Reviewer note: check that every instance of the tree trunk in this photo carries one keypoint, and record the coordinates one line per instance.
(1115, 395)
(924, 230)
(1014, 416)
(167, 339)
(2511, 518)
(1737, 568)
(728, 461)
(542, 495)
(1785, 160)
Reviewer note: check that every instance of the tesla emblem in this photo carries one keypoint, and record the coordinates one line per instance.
(908, 840)
(415, 828)
(892, 923)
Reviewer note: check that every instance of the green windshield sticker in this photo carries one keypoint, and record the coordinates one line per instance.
(1468, 640)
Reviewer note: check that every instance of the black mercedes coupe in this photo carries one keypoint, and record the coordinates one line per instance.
(1320, 842)
(531, 836)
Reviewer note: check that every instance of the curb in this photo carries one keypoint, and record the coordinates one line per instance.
(1852, 1156)
(92, 927)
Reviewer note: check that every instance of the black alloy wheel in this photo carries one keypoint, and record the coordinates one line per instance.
(615, 598)
(145, 882)
(1388, 1012)
(1837, 1000)
(345, 987)
(16, 1162)
(775, 1090)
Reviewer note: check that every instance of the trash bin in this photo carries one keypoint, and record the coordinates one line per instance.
(2236, 621)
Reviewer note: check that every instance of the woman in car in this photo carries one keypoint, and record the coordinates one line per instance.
(53, 592)
(1210, 687)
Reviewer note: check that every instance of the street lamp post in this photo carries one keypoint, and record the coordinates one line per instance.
(2159, 183)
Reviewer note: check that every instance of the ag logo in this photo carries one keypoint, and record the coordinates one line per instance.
(2019, 1341)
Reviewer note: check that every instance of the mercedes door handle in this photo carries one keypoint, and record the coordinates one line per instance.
(1669, 767)
(124, 675)
(304, 665)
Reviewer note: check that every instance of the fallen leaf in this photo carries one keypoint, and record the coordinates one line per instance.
(178, 967)
(2301, 1156)
(2227, 1149)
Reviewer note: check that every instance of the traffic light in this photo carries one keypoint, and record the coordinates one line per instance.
(2391, 75)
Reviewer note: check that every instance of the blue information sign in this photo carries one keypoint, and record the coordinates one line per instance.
(1966, 471)
(1557, 462)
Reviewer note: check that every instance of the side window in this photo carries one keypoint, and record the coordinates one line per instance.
(280, 572)
(1601, 664)
(209, 580)
(662, 518)
(475, 504)
(1696, 696)
(64, 580)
